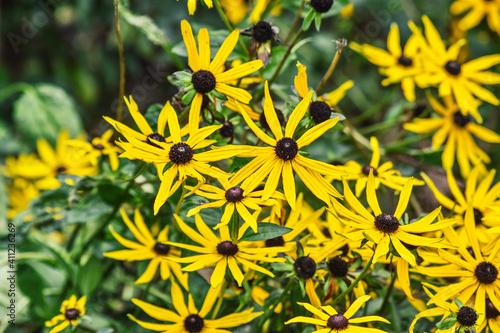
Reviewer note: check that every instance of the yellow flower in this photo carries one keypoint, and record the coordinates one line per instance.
(192, 5)
(20, 192)
(319, 110)
(384, 173)
(232, 196)
(187, 318)
(457, 129)
(71, 311)
(210, 75)
(180, 156)
(222, 252)
(148, 248)
(462, 80)
(100, 146)
(399, 65)
(477, 11)
(478, 192)
(328, 319)
(283, 156)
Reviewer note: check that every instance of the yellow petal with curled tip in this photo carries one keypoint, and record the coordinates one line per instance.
(270, 113)
(300, 80)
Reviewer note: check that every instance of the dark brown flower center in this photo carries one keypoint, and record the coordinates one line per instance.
(452, 67)
(486, 272)
(203, 81)
(338, 267)
(387, 223)
(263, 121)
(460, 119)
(286, 149)
(99, 146)
(405, 61)
(72, 314)
(337, 322)
(305, 267)
(155, 136)
(180, 153)
(234, 194)
(227, 248)
(276, 241)
(227, 129)
(262, 32)
(366, 170)
(320, 112)
(321, 6)
(193, 323)
(161, 248)
(466, 316)
(61, 169)
(478, 216)
(491, 311)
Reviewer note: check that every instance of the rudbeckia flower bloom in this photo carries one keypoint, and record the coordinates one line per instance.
(148, 248)
(192, 5)
(383, 174)
(399, 65)
(462, 80)
(456, 129)
(232, 196)
(101, 146)
(327, 319)
(319, 110)
(478, 273)
(187, 318)
(223, 252)
(383, 228)
(210, 75)
(180, 154)
(477, 11)
(283, 156)
(71, 311)
(483, 197)
(20, 192)
(492, 318)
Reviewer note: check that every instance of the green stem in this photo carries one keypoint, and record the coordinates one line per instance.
(355, 282)
(295, 22)
(270, 310)
(361, 142)
(389, 291)
(340, 46)
(15, 88)
(248, 294)
(228, 24)
(234, 226)
(178, 208)
(221, 297)
(119, 113)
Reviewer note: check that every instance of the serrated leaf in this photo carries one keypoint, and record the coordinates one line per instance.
(264, 231)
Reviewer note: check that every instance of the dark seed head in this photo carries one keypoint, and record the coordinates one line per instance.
(338, 267)
(478, 216)
(387, 223)
(180, 153)
(466, 316)
(460, 119)
(286, 149)
(234, 194)
(452, 67)
(405, 61)
(486, 272)
(193, 323)
(99, 146)
(263, 121)
(320, 112)
(305, 267)
(155, 136)
(321, 6)
(72, 314)
(491, 311)
(262, 32)
(227, 248)
(227, 129)
(366, 170)
(337, 322)
(203, 81)
(161, 248)
(276, 241)
(61, 169)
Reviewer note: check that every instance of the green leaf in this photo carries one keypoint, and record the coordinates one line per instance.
(446, 323)
(147, 26)
(264, 231)
(3, 204)
(458, 303)
(90, 276)
(198, 288)
(188, 97)
(30, 283)
(281, 267)
(308, 19)
(317, 21)
(44, 111)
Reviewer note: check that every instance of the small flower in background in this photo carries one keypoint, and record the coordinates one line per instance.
(327, 319)
(456, 129)
(148, 248)
(262, 34)
(101, 146)
(210, 75)
(399, 65)
(192, 5)
(442, 69)
(71, 311)
(187, 318)
(476, 12)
